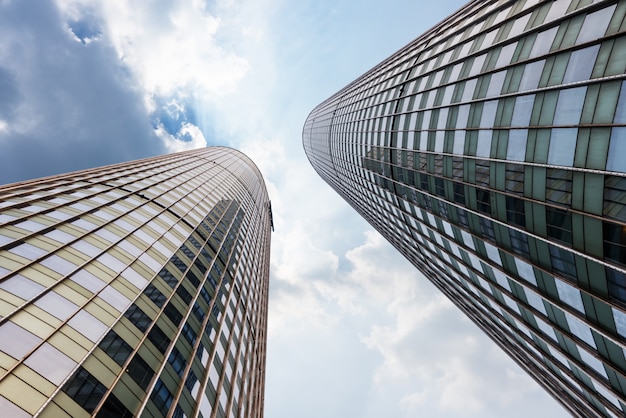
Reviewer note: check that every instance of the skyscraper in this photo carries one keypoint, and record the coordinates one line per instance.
(136, 289)
(491, 152)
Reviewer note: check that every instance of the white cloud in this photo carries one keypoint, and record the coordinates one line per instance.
(170, 46)
(188, 137)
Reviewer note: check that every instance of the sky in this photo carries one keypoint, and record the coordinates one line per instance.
(354, 329)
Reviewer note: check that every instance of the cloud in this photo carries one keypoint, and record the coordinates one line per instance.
(177, 52)
(62, 99)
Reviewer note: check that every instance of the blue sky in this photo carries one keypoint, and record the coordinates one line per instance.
(354, 330)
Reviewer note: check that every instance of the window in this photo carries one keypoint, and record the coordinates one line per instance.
(559, 186)
(483, 147)
(617, 289)
(569, 106)
(138, 317)
(84, 389)
(139, 370)
(489, 113)
(559, 225)
(614, 243)
(595, 25)
(563, 262)
(155, 295)
(116, 347)
(615, 197)
(515, 211)
(570, 295)
(519, 243)
(184, 294)
(172, 313)
(532, 75)
(161, 397)
(581, 64)
(21, 286)
(516, 148)
(483, 201)
(617, 150)
(562, 146)
(543, 42)
(112, 407)
(177, 361)
(159, 339)
(523, 110)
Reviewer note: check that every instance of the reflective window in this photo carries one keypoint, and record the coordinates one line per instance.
(570, 295)
(620, 111)
(516, 149)
(462, 115)
(495, 84)
(85, 389)
(617, 150)
(468, 90)
(505, 55)
(595, 25)
(535, 301)
(562, 146)
(531, 76)
(620, 321)
(459, 142)
(581, 64)
(88, 281)
(489, 114)
(526, 271)
(140, 371)
(569, 106)
(593, 362)
(557, 10)
(543, 42)
(58, 264)
(579, 329)
(523, 110)
(116, 347)
(12, 410)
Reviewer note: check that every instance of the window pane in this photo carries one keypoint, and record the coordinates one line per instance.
(543, 42)
(516, 149)
(483, 148)
(523, 110)
(495, 84)
(581, 64)
(620, 111)
(569, 106)
(617, 150)
(562, 146)
(489, 114)
(595, 25)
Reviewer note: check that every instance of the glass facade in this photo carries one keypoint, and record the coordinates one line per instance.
(138, 289)
(491, 152)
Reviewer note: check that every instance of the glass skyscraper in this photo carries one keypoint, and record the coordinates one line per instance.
(137, 289)
(491, 152)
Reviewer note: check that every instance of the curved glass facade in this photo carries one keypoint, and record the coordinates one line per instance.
(491, 151)
(136, 289)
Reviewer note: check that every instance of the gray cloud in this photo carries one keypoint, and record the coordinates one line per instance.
(64, 105)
